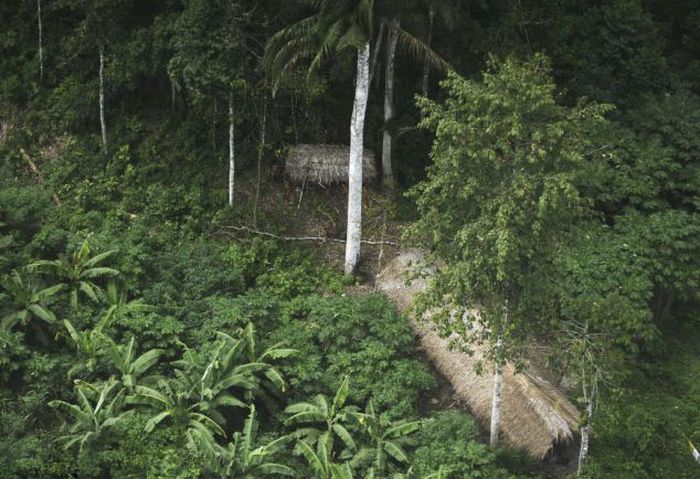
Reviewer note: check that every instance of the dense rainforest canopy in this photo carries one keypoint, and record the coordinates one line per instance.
(173, 305)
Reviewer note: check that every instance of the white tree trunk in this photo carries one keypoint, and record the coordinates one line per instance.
(583, 451)
(589, 397)
(231, 151)
(354, 229)
(496, 396)
(103, 122)
(387, 171)
(426, 67)
(41, 42)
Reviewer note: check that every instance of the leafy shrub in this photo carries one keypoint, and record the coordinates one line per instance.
(449, 441)
(23, 209)
(360, 336)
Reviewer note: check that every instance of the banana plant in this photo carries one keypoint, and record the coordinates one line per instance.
(78, 270)
(321, 463)
(28, 300)
(441, 473)
(119, 303)
(173, 403)
(87, 344)
(218, 380)
(322, 421)
(244, 349)
(131, 369)
(386, 440)
(98, 410)
(240, 458)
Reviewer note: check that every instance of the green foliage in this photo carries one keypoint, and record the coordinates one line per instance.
(501, 194)
(98, 410)
(243, 457)
(449, 442)
(361, 336)
(163, 454)
(23, 209)
(78, 271)
(621, 285)
(642, 426)
(387, 441)
(323, 422)
(27, 301)
(231, 373)
(129, 367)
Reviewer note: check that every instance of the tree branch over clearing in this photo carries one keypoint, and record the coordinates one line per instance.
(321, 239)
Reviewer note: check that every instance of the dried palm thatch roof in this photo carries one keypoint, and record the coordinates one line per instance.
(535, 415)
(325, 164)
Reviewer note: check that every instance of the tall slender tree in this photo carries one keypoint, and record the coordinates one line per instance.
(498, 200)
(210, 55)
(337, 25)
(397, 35)
(392, 40)
(103, 121)
(41, 40)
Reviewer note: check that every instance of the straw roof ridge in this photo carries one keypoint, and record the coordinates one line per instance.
(325, 163)
(535, 414)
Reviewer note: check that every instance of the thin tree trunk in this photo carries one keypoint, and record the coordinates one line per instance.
(213, 126)
(354, 228)
(41, 42)
(498, 380)
(393, 39)
(377, 47)
(589, 398)
(426, 67)
(103, 122)
(231, 151)
(496, 397)
(261, 153)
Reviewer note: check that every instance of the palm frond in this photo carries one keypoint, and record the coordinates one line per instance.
(417, 49)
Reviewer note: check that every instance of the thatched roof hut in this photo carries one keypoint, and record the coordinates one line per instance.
(535, 415)
(325, 164)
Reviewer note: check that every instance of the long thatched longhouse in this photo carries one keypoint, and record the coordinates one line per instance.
(325, 164)
(535, 415)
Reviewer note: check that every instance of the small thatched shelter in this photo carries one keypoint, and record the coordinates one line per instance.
(325, 164)
(535, 415)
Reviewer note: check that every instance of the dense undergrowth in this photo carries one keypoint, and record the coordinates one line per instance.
(124, 285)
(118, 315)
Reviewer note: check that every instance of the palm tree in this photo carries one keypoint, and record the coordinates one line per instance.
(337, 25)
(78, 270)
(28, 301)
(98, 410)
(240, 458)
